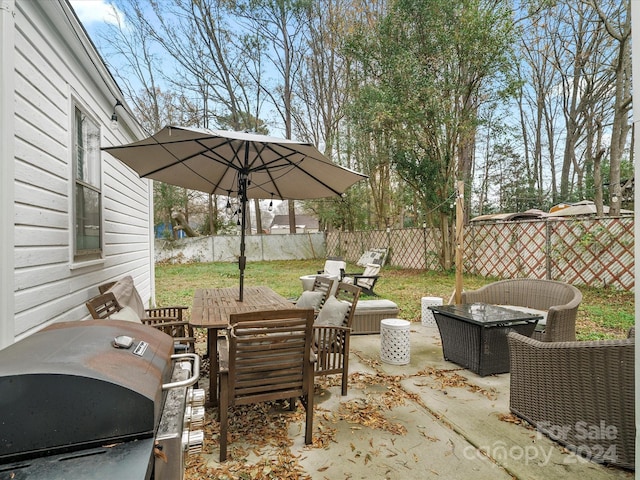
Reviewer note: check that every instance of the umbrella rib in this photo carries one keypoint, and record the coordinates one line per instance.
(297, 165)
(204, 152)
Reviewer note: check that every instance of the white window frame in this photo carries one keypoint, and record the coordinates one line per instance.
(90, 182)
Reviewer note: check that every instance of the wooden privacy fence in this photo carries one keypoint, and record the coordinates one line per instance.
(593, 252)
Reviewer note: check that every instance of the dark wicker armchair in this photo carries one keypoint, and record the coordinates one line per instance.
(580, 394)
(560, 300)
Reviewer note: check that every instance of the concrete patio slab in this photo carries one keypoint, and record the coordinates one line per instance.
(435, 420)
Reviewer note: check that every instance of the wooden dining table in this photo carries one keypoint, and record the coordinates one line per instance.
(212, 308)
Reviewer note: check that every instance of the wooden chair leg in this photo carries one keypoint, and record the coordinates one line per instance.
(223, 415)
(345, 364)
(308, 434)
(345, 377)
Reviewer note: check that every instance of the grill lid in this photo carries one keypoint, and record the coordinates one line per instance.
(68, 387)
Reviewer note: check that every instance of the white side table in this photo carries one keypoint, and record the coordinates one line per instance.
(395, 346)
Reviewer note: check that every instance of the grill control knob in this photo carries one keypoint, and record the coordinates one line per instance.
(193, 442)
(196, 396)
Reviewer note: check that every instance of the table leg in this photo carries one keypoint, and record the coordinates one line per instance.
(212, 347)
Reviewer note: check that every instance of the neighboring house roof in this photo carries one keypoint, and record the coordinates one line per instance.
(510, 217)
(583, 208)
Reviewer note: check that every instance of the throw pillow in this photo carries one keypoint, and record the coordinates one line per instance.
(126, 313)
(310, 300)
(333, 312)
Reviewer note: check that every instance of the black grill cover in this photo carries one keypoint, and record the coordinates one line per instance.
(68, 388)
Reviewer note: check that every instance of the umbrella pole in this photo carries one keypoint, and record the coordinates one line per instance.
(242, 261)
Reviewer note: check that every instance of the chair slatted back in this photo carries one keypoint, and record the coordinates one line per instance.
(324, 285)
(105, 287)
(348, 293)
(269, 355)
(103, 306)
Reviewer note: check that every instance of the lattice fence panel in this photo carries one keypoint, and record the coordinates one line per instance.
(408, 248)
(593, 252)
(507, 250)
(585, 252)
(351, 245)
(332, 240)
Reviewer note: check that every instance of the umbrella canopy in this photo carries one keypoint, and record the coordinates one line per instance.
(213, 161)
(241, 164)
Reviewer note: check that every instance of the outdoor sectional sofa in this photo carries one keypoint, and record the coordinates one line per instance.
(557, 301)
(580, 394)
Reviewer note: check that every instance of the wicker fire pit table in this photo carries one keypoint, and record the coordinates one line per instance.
(474, 335)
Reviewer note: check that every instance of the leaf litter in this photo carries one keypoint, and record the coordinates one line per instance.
(259, 441)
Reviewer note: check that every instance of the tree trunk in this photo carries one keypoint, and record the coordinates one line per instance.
(256, 205)
(292, 216)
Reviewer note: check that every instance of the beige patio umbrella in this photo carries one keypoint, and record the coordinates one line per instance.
(245, 165)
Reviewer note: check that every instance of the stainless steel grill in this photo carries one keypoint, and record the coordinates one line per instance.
(97, 399)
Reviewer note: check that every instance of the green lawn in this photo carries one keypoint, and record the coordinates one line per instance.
(604, 313)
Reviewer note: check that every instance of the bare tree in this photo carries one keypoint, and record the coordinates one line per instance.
(615, 16)
(279, 26)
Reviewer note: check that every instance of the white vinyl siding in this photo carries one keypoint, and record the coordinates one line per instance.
(56, 70)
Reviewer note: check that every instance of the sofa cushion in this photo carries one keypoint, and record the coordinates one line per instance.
(310, 299)
(333, 312)
(375, 305)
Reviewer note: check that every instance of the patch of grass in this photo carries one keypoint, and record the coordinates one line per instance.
(604, 312)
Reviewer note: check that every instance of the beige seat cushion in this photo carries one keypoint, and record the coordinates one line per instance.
(333, 267)
(370, 271)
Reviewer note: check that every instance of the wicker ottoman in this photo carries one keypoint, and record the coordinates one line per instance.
(368, 314)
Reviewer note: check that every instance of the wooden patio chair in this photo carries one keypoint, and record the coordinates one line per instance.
(318, 294)
(365, 280)
(106, 306)
(332, 333)
(127, 294)
(324, 285)
(267, 357)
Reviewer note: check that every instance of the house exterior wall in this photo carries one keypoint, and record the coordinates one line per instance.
(54, 67)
